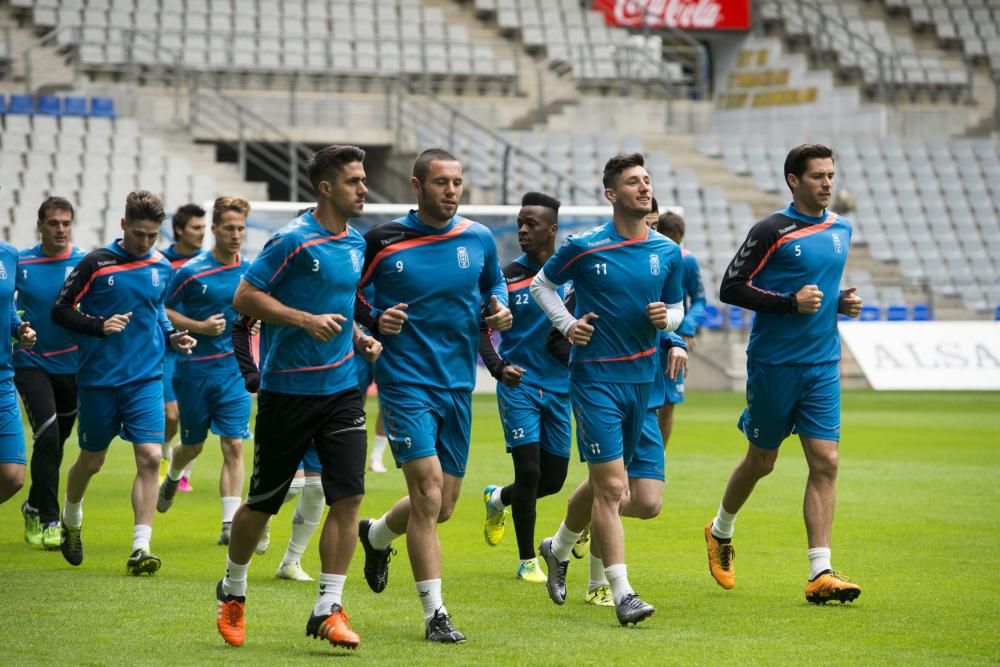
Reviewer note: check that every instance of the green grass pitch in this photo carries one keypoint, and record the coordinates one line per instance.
(916, 526)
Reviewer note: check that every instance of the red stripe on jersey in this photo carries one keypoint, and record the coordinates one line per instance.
(520, 284)
(207, 358)
(412, 243)
(181, 261)
(49, 354)
(637, 355)
(685, 252)
(794, 236)
(305, 245)
(607, 247)
(118, 268)
(239, 262)
(350, 355)
(54, 258)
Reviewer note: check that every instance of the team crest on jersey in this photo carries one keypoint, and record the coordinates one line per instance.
(156, 277)
(654, 265)
(356, 261)
(837, 245)
(3, 271)
(463, 257)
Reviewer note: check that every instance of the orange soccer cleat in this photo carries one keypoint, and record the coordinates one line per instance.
(720, 559)
(229, 617)
(829, 586)
(333, 628)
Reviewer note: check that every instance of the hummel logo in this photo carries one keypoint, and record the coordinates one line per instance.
(105, 263)
(591, 244)
(392, 239)
(789, 228)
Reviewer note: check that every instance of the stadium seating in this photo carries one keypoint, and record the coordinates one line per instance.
(971, 25)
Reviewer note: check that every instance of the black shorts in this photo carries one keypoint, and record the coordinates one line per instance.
(287, 424)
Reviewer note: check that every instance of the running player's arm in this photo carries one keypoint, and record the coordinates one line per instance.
(676, 350)
(242, 330)
(365, 313)
(488, 352)
(493, 285)
(750, 258)
(65, 312)
(180, 340)
(672, 292)
(544, 286)
(695, 289)
(556, 343)
(176, 291)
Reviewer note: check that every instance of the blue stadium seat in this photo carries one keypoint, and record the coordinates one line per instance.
(75, 106)
(921, 312)
(870, 314)
(998, 313)
(3, 104)
(48, 105)
(896, 313)
(738, 318)
(711, 319)
(22, 104)
(103, 107)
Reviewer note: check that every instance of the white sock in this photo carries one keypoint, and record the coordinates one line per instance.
(235, 581)
(140, 536)
(563, 541)
(597, 577)
(429, 593)
(331, 592)
(72, 515)
(174, 473)
(722, 525)
(166, 450)
(380, 536)
(496, 504)
(229, 506)
(378, 447)
(305, 519)
(819, 560)
(618, 578)
(298, 483)
(188, 468)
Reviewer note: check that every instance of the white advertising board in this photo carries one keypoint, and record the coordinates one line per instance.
(926, 355)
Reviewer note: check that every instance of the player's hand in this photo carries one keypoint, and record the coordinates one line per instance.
(252, 382)
(689, 341)
(500, 318)
(26, 335)
(213, 326)
(324, 327)
(657, 313)
(392, 320)
(511, 375)
(677, 362)
(809, 299)
(182, 342)
(582, 330)
(369, 347)
(850, 302)
(255, 329)
(116, 323)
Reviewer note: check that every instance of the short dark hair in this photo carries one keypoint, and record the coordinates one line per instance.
(798, 159)
(327, 161)
(670, 224)
(655, 206)
(143, 205)
(185, 213)
(540, 199)
(55, 204)
(619, 163)
(422, 165)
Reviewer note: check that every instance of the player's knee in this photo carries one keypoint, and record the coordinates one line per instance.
(761, 463)
(426, 499)
(824, 464)
(147, 459)
(91, 463)
(11, 481)
(232, 450)
(611, 490)
(551, 483)
(527, 475)
(647, 508)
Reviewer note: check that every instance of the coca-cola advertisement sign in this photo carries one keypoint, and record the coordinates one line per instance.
(682, 14)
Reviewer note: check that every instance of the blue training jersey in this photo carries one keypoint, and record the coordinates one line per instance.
(617, 278)
(309, 268)
(445, 276)
(199, 289)
(39, 279)
(110, 281)
(694, 294)
(8, 277)
(781, 254)
(176, 259)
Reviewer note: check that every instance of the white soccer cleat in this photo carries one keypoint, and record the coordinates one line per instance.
(376, 465)
(292, 571)
(265, 539)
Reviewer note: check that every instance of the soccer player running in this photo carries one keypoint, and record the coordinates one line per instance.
(45, 375)
(626, 279)
(208, 384)
(432, 270)
(189, 233)
(302, 287)
(113, 300)
(532, 391)
(788, 270)
(672, 226)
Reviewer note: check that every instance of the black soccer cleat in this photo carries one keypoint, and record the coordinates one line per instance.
(71, 544)
(165, 497)
(633, 610)
(556, 583)
(439, 629)
(142, 562)
(376, 560)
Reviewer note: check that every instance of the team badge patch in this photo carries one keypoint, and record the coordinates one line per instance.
(837, 245)
(3, 271)
(654, 265)
(463, 257)
(356, 261)
(156, 277)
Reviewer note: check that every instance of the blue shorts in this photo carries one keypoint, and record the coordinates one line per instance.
(364, 371)
(310, 462)
(12, 447)
(219, 402)
(674, 389)
(169, 361)
(791, 398)
(134, 411)
(649, 460)
(529, 415)
(424, 421)
(609, 418)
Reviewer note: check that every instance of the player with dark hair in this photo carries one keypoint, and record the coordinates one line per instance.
(784, 270)
(188, 225)
(627, 282)
(431, 270)
(113, 301)
(45, 375)
(208, 384)
(672, 225)
(532, 391)
(302, 287)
